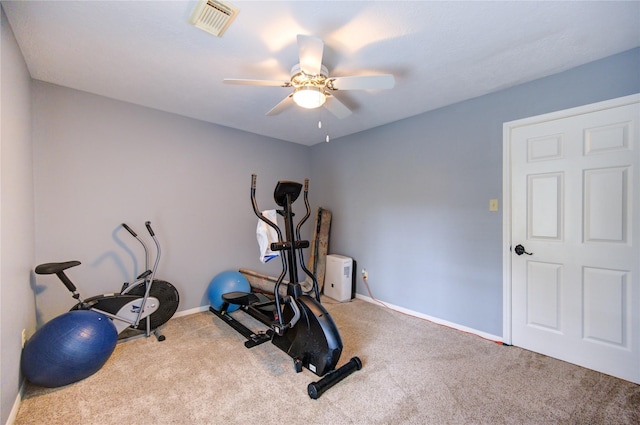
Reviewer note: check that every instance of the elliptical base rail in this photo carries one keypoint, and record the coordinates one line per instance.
(253, 338)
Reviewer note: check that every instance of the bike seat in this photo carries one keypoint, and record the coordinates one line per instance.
(240, 298)
(53, 268)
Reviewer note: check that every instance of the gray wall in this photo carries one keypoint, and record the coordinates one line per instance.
(16, 215)
(99, 162)
(410, 199)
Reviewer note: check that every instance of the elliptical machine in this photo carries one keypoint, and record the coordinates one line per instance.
(298, 323)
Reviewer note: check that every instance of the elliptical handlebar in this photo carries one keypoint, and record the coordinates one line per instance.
(283, 198)
(306, 204)
(276, 290)
(256, 210)
(314, 280)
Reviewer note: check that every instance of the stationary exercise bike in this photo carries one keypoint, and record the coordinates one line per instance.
(298, 323)
(140, 308)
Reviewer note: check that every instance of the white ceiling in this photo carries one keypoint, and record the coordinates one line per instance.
(147, 53)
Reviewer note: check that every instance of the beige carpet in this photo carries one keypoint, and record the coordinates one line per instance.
(415, 372)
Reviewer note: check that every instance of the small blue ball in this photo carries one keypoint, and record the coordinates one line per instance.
(69, 348)
(223, 283)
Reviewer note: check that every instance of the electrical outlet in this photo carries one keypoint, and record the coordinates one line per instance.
(24, 337)
(365, 274)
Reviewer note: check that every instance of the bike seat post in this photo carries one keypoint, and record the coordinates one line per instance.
(70, 286)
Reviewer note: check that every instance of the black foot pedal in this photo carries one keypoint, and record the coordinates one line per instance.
(257, 339)
(240, 298)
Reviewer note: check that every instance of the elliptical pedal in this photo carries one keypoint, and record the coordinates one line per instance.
(259, 338)
(240, 298)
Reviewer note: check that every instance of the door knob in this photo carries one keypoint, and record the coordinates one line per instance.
(520, 250)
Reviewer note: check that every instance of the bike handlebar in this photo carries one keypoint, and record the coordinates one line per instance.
(130, 230)
(148, 225)
(134, 234)
(144, 245)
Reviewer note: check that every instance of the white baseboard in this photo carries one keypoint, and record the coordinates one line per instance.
(16, 405)
(436, 320)
(433, 319)
(191, 311)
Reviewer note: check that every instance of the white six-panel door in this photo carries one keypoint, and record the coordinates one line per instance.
(574, 191)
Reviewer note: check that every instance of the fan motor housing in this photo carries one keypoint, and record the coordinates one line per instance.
(300, 79)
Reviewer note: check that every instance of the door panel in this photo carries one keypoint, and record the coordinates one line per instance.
(606, 291)
(575, 293)
(544, 289)
(545, 206)
(606, 205)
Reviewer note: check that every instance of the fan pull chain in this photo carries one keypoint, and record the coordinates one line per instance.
(326, 139)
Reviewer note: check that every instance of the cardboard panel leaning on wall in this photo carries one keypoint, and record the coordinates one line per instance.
(99, 162)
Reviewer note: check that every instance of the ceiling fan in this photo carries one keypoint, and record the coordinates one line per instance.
(311, 83)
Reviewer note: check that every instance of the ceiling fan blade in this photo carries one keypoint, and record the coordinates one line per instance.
(336, 107)
(364, 82)
(285, 103)
(310, 50)
(243, 82)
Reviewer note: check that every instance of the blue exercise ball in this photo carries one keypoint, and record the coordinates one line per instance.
(223, 283)
(68, 348)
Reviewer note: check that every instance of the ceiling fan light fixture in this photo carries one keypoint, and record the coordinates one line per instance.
(309, 97)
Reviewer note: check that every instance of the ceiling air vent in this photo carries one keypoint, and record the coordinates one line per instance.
(213, 16)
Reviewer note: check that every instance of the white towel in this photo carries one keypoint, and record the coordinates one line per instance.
(267, 235)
